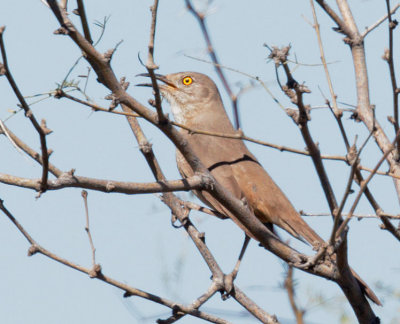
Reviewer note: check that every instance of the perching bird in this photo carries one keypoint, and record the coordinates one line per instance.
(196, 103)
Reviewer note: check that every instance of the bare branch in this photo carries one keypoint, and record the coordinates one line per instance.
(355, 215)
(28, 113)
(69, 180)
(85, 26)
(388, 57)
(295, 92)
(380, 21)
(336, 110)
(353, 170)
(28, 150)
(201, 19)
(253, 308)
(289, 286)
(129, 290)
(364, 185)
(195, 304)
(96, 268)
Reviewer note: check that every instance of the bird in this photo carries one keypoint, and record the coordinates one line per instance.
(196, 103)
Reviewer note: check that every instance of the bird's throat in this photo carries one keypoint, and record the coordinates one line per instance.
(182, 114)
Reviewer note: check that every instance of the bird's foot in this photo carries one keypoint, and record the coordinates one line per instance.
(229, 287)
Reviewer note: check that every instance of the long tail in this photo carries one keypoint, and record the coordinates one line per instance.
(307, 233)
(366, 290)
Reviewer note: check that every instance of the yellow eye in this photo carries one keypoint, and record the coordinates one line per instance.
(187, 80)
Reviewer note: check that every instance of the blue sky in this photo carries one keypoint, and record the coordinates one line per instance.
(134, 239)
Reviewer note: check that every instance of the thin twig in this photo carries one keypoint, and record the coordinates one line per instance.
(388, 57)
(201, 19)
(84, 21)
(74, 65)
(323, 60)
(28, 113)
(388, 226)
(229, 279)
(380, 21)
(338, 211)
(364, 185)
(336, 111)
(95, 267)
(59, 93)
(29, 151)
(253, 77)
(194, 206)
(359, 216)
(151, 66)
(195, 304)
(334, 16)
(6, 132)
(289, 286)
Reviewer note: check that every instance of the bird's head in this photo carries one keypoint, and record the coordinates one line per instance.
(188, 93)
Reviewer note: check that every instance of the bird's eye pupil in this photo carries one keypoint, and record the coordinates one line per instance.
(187, 80)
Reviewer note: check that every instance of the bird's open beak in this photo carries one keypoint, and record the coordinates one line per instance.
(159, 77)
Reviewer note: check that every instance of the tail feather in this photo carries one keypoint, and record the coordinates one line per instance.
(314, 239)
(366, 290)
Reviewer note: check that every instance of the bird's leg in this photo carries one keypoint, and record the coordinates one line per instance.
(312, 261)
(183, 221)
(229, 279)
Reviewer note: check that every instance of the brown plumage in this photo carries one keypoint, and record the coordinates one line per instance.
(196, 103)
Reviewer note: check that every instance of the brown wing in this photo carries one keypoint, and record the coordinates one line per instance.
(228, 181)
